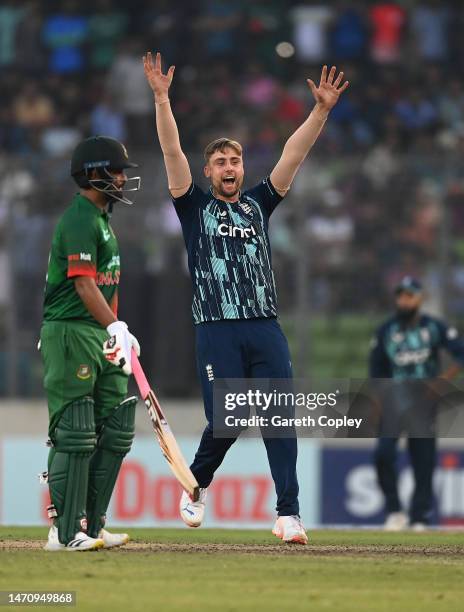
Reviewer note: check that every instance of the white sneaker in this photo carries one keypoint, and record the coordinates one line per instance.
(192, 513)
(290, 529)
(395, 521)
(419, 527)
(111, 540)
(81, 541)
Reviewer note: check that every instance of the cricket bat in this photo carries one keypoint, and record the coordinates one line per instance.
(166, 439)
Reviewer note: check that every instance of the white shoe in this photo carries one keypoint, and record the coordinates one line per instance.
(111, 540)
(81, 541)
(290, 529)
(395, 521)
(192, 513)
(419, 527)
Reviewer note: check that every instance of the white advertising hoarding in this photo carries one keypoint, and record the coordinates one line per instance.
(147, 495)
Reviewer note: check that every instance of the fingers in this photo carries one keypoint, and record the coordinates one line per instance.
(171, 72)
(331, 75)
(338, 80)
(329, 80)
(147, 62)
(158, 61)
(312, 87)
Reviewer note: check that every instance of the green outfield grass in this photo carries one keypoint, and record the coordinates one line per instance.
(180, 569)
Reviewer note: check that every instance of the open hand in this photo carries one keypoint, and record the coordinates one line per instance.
(329, 90)
(158, 81)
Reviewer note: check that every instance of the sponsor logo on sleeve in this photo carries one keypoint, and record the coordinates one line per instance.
(80, 257)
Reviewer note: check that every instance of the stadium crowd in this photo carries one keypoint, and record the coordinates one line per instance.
(70, 68)
(382, 194)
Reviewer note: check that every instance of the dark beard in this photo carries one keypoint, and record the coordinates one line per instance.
(406, 315)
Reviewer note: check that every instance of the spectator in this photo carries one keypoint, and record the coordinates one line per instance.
(266, 26)
(331, 230)
(173, 26)
(387, 22)
(451, 105)
(30, 54)
(64, 33)
(107, 120)
(259, 89)
(32, 110)
(106, 27)
(219, 25)
(415, 112)
(349, 32)
(10, 17)
(310, 30)
(127, 85)
(429, 23)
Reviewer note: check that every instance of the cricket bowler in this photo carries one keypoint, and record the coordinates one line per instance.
(234, 297)
(91, 422)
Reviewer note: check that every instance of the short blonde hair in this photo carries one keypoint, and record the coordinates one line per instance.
(220, 144)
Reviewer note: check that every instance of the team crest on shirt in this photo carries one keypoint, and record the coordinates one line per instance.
(247, 209)
(84, 372)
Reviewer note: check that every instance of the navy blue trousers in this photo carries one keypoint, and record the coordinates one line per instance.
(245, 348)
(422, 453)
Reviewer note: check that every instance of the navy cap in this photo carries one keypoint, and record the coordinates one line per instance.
(410, 284)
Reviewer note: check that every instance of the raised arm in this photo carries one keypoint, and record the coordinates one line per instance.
(300, 142)
(175, 161)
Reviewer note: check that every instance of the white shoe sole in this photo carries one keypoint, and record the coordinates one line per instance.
(60, 547)
(296, 539)
(190, 524)
(96, 546)
(122, 543)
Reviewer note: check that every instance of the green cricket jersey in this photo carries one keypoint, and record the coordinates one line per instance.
(83, 245)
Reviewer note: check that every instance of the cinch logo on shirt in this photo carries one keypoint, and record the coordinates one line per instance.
(234, 231)
(405, 358)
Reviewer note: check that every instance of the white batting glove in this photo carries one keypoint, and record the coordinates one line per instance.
(117, 349)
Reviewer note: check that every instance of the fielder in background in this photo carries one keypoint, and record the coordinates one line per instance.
(406, 347)
(91, 423)
(234, 297)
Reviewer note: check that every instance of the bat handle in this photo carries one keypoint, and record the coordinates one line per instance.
(139, 375)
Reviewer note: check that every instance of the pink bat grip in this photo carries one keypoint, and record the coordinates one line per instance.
(139, 375)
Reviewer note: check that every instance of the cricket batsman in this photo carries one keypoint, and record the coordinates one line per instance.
(234, 297)
(91, 422)
(407, 347)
